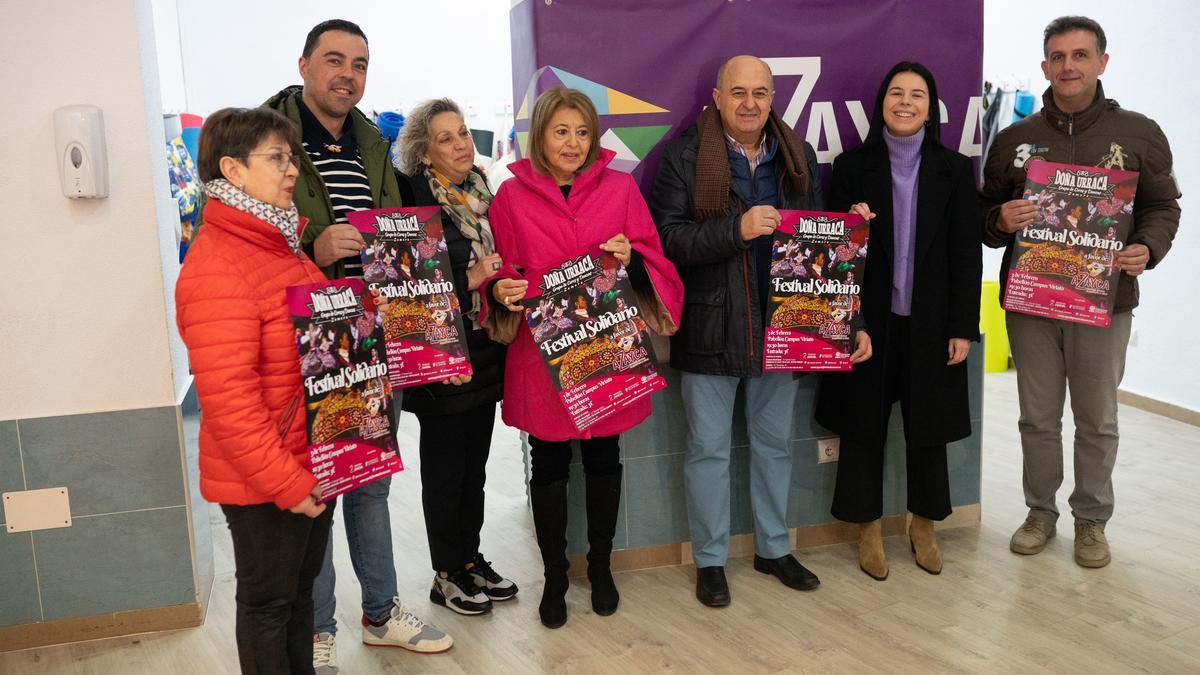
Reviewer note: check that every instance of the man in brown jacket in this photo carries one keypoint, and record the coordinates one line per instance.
(1077, 125)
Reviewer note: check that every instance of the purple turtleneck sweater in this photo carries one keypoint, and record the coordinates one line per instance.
(904, 153)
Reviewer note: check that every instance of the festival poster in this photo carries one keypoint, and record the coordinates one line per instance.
(351, 422)
(406, 265)
(586, 322)
(817, 265)
(1062, 264)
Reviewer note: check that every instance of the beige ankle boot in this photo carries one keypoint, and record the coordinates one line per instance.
(924, 545)
(870, 550)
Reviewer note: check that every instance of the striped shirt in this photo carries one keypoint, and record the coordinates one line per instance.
(755, 158)
(341, 168)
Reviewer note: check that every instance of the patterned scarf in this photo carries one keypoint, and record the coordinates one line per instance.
(287, 221)
(468, 210)
(711, 196)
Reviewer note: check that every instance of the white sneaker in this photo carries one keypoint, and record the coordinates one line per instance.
(324, 654)
(407, 630)
(493, 585)
(459, 593)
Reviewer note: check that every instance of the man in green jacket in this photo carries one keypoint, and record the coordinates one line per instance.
(344, 167)
(336, 132)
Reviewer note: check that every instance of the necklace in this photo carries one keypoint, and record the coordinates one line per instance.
(332, 147)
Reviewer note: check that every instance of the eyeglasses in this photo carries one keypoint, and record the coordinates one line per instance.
(281, 159)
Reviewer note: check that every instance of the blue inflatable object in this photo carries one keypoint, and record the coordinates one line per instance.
(1023, 105)
(191, 141)
(390, 124)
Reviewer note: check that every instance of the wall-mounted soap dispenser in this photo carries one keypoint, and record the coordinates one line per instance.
(82, 157)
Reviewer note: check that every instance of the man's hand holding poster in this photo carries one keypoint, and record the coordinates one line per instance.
(405, 265)
(1063, 262)
(817, 265)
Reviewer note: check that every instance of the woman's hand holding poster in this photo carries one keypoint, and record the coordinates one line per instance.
(588, 328)
(817, 264)
(405, 265)
(347, 396)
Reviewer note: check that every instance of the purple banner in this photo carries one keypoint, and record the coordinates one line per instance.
(650, 65)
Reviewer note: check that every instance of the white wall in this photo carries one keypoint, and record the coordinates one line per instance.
(240, 53)
(1150, 70)
(84, 325)
(162, 69)
(169, 56)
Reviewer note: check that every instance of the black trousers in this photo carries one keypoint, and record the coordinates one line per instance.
(278, 554)
(454, 454)
(858, 495)
(551, 460)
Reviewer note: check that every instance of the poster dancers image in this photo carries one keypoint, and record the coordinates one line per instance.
(405, 263)
(817, 261)
(591, 336)
(1063, 263)
(348, 408)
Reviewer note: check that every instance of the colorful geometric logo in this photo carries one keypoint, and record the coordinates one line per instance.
(631, 143)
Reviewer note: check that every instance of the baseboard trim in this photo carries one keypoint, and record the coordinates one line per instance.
(115, 624)
(742, 545)
(1153, 405)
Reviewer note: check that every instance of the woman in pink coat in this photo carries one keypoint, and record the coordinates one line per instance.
(562, 201)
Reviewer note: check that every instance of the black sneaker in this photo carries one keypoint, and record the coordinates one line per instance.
(493, 585)
(459, 593)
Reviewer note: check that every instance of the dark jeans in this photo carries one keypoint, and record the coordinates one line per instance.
(552, 460)
(277, 554)
(454, 454)
(858, 495)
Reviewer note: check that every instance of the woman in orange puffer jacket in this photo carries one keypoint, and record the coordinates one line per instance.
(232, 314)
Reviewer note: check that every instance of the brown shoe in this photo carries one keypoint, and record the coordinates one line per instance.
(924, 545)
(1031, 537)
(1091, 546)
(870, 550)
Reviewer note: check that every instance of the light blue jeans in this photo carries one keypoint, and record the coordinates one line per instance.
(369, 535)
(708, 406)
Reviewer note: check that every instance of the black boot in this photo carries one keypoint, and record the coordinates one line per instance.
(603, 502)
(550, 522)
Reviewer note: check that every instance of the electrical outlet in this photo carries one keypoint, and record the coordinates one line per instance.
(827, 449)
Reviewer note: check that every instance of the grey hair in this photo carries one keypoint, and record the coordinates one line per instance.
(414, 136)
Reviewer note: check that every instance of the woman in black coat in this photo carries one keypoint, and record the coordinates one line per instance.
(436, 153)
(920, 300)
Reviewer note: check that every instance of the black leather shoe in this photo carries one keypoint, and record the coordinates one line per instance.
(789, 571)
(711, 587)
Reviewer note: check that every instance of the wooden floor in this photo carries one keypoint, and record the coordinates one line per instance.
(990, 610)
